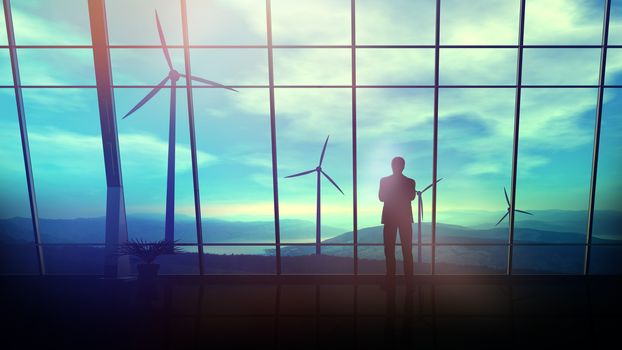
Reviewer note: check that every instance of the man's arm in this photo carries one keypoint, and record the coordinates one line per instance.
(381, 194)
(413, 190)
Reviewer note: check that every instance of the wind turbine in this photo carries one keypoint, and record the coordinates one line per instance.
(420, 217)
(319, 172)
(173, 75)
(507, 200)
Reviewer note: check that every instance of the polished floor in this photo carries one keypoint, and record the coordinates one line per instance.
(303, 312)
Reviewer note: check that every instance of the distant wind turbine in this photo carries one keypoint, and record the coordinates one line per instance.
(173, 75)
(420, 217)
(507, 200)
(319, 172)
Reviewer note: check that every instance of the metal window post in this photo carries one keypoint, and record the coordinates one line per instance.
(354, 142)
(275, 175)
(116, 224)
(599, 114)
(23, 131)
(517, 104)
(437, 41)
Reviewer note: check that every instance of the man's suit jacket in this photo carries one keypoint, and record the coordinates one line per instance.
(397, 191)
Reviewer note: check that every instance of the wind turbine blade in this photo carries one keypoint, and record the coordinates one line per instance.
(163, 42)
(524, 212)
(332, 181)
(209, 82)
(147, 97)
(430, 185)
(503, 217)
(302, 173)
(324, 150)
(506, 196)
(420, 207)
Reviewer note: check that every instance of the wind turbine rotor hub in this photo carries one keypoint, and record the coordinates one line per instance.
(318, 168)
(174, 75)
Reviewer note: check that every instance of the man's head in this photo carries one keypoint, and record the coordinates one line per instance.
(397, 164)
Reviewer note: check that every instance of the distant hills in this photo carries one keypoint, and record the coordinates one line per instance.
(551, 226)
(544, 227)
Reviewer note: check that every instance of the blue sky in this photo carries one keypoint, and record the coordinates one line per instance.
(233, 130)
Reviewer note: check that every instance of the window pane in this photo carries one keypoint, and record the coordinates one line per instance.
(143, 142)
(3, 36)
(607, 214)
(56, 66)
(305, 117)
(479, 22)
(614, 67)
(395, 22)
(475, 133)
(302, 260)
(231, 66)
(311, 22)
(561, 66)
(554, 164)
(16, 258)
(227, 22)
(68, 165)
(13, 189)
(571, 22)
(372, 260)
(184, 263)
(606, 260)
(134, 22)
(392, 122)
(144, 66)
(548, 260)
(615, 23)
(6, 76)
(60, 22)
(395, 67)
(74, 260)
(478, 66)
(236, 187)
(240, 260)
(471, 260)
(312, 67)
(17, 254)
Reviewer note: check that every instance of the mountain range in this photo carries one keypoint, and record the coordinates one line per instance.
(549, 227)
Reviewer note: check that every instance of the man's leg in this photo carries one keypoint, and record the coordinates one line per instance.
(406, 237)
(390, 235)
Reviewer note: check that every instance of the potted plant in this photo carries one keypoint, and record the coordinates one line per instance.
(148, 252)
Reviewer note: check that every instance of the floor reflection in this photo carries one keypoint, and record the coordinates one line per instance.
(342, 312)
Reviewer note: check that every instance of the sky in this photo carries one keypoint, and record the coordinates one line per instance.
(233, 128)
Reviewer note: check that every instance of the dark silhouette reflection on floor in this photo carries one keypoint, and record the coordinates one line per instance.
(309, 312)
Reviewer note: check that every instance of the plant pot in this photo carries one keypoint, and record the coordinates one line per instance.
(148, 271)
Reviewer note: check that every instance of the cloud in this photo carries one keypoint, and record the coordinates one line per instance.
(144, 153)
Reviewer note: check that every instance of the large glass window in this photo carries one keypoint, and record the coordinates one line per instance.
(312, 66)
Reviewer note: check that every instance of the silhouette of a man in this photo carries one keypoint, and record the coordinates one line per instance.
(397, 191)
